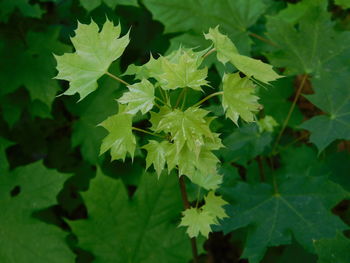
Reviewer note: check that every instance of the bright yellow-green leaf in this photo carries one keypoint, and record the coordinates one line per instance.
(238, 98)
(209, 181)
(227, 52)
(197, 221)
(180, 70)
(186, 127)
(156, 155)
(94, 53)
(120, 139)
(267, 124)
(214, 206)
(140, 97)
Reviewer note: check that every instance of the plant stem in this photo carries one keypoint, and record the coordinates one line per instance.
(117, 79)
(263, 39)
(147, 132)
(208, 97)
(180, 97)
(209, 52)
(184, 99)
(186, 204)
(291, 109)
(261, 168)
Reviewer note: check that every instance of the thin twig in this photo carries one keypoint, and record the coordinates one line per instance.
(208, 97)
(263, 39)
(261, 168)
(291, 109)
(209, 52)
(147, 132)
(116, 78)
(187, 205)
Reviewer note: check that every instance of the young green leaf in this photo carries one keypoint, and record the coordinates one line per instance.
(209, 181)
(187, 127)
(214, 206)
(267, 123)
(238, 98)
(140, 97)
(197, 221)
(120, 139)
(181, 70)
(227, 52)
(94, 53)
(156, 155)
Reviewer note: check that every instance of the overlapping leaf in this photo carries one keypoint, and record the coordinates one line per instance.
(227, 52)
(333, 97)
(239, 98)
(199, 220)
(300, 208)
(140, 97)
(235, 17)
(92, 4)
(22, 237)
(120, 139)
(137, 230)
(187, 127)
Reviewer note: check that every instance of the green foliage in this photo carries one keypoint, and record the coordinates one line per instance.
(94, 53)
(299, 206)
(195, 97)
(138, 230)
(37, 188)
(332, 249)
(120, 139)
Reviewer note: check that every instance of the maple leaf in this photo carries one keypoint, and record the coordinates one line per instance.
(180, 70)
(305, 45)
(333, 250)
(38, 188)
(92, 111)
(199, 220)
(245, 143)
(335, 102)
(267, 123)
(214, 205)
(94, 53)
(238, 98)
(26, 8)
(156, 155)
(301, 208)
(120, 139)
(35, 58)
(186, 127)
(227, 52)
(198, 16)
(142, 229)
(91, 5)
(140, 97)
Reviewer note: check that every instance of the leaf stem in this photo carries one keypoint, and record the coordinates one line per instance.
(147, 132)
(291, 109)
(208, 97)
(117, 79)
(263, 39)
(209, 52)
(180, 97)
(187, 205)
